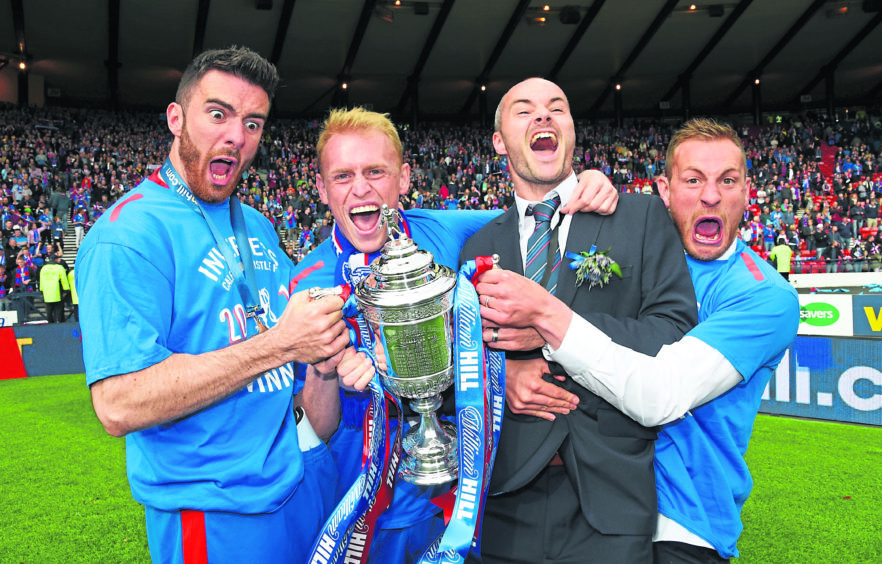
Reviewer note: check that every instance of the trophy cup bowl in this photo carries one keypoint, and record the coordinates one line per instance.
(407, 300)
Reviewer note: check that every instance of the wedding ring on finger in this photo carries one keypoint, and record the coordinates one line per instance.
(494, 334)
(487, 302)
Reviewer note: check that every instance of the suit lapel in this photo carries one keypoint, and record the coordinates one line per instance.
(505, 241)
(584, 231)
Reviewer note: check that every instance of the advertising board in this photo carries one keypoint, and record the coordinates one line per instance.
(825, 314)
(828, 378)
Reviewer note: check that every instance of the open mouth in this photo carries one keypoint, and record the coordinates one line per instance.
(543, 142)
(365, 217)
(221, 170)
(708, 231)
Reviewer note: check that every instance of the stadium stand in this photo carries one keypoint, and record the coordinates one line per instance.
(806, 172)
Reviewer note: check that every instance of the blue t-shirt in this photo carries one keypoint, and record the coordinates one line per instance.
(749, 313)
(443, 234)
(152, 282)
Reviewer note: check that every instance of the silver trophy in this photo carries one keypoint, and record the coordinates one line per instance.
(407, 300)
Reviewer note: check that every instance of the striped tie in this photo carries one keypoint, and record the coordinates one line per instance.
(537, 246)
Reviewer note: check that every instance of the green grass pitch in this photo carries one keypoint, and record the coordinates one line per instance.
(64, 497)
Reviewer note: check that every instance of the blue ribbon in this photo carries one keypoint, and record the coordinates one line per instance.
(480, 394)
(496, 401)
(333, 541)
(475, 431)
(577, 259)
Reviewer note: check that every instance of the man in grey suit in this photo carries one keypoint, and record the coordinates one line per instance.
(577, 486)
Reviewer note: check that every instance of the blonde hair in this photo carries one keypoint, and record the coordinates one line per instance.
(702, 129)
(358, 120)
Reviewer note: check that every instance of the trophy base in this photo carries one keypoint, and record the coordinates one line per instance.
(432, 461)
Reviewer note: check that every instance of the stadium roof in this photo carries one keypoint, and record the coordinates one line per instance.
(431, 58)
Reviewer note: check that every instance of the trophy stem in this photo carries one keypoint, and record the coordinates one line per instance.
(430, 445)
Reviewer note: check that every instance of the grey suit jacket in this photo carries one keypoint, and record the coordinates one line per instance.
(607, 455)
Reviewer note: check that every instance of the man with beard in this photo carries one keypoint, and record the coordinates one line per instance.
(577, 486)
(361, 168)
(190, 332)
(706, 388)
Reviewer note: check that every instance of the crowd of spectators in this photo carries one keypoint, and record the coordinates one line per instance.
(819, 194)
(817, 185)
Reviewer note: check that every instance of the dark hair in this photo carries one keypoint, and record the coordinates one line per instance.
(238, 61)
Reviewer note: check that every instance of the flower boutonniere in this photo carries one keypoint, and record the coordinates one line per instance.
(594, 266)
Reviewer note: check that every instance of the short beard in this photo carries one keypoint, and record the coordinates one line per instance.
(193, 171)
